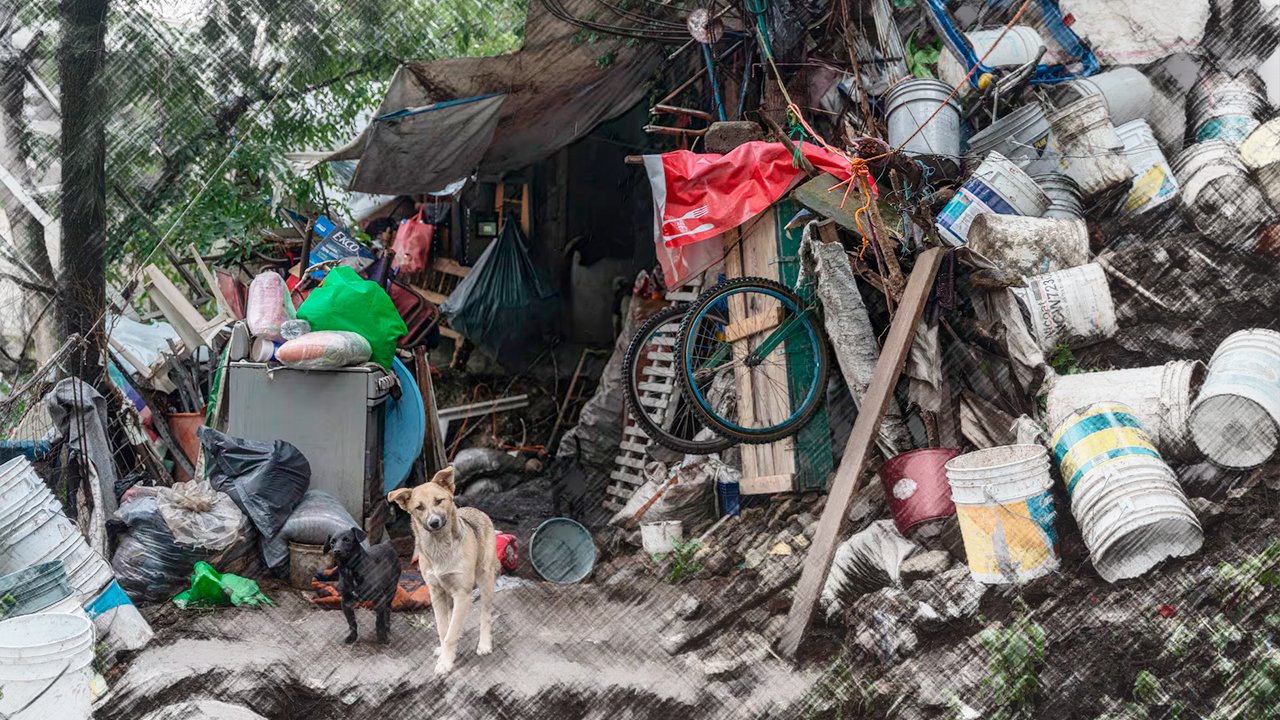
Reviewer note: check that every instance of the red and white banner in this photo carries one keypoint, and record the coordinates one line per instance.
(697, 196)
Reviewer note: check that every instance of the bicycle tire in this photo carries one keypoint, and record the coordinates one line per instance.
(799, 415)
(630, 362)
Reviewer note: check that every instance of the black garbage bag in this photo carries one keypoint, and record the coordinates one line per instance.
(266, 479)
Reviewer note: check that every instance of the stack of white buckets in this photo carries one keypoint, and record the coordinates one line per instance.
(45, 667)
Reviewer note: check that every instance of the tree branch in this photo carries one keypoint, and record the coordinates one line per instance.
(27, 284)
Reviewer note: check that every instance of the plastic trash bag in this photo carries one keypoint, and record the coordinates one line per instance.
(266, 480)
(317, 517)
(689, 499)
(209, 588)
(504, 304)
(268, 306)
(866, 562)
(412, 245)
(347, 302)
(172, 528)
(324, 350)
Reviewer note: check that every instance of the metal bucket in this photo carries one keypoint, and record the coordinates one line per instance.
(1153, 180)
(1126, 92)
(1218, 195)
(1004, 501)
(1064, 195)
(909, 105)
(1024, 136)
(1092, 152)
(1071, 307)
(915, 485)
(1260, 153)
(997, 186)
(1223, 107)
(1235, 421)
(1160, 397)
(1131, 511)
(1030, 245)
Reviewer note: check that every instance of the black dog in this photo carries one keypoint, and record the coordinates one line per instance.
(365, 575)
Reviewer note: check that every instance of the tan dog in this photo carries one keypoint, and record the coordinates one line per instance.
(456, 552)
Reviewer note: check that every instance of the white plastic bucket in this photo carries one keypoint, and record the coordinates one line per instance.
(1120, 489)
(1064, 195)
(1127, 93)
(1260, 153)
(1236, 419)
(1024, 137)
(1222, 107)
(1220, 198)
(1153, 180)
(1029, 245)
(1004, 503)
(1092, 152)
(1159, 396)
(1018, 47)
(660, 537)
(44, 667)
(909, 105)
(997, 186)
(1071, 307)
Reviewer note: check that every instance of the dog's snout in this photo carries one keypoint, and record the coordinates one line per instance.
(435, 522)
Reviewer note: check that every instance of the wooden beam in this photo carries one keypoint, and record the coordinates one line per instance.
(861, 440)
(818, 195)
(757, 323)
(766, 484)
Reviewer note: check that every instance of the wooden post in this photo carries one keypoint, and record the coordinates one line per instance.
(849, 475)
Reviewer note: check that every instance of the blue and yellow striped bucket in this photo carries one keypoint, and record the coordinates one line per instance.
(1095, 436)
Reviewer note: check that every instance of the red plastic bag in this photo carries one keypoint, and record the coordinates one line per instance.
(412, 245)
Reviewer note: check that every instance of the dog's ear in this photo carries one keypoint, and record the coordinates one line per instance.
(444, 478)
(328, 545)
(359, 535)
(400, 497)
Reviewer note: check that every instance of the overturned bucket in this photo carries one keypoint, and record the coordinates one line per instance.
(1153, 180)
(997, 186)
(1235, 421)
(1125, 91)
(1225, 107)
(915, 485)
(1218, 195)
(1004, 502)
(914, 117)
(1024, 136)
(1092, 152)
(1064, 195)
(1070, 307)
(1160, 397)
(1260, 153)
(1028, 245)
(1132, 513)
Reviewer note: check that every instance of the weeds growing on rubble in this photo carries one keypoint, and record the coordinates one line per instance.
(680, 563)
(1017, 652)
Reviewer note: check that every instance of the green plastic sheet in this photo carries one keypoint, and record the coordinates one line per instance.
(210, 588)
(346, 301)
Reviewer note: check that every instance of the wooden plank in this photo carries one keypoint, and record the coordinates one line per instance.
(618, 492)
(450, 333)
(817, 195)
(664, 388)
(657, 370)
(629, 462)
(772, 402)
(435, 297)
(733, 268)
(766, 484)
(658, 403)
(634, 430)
(612, 505)
(753, 324)
(633, 447)
(682, 296)
(621, 476)
(849, 475)
(450, 267)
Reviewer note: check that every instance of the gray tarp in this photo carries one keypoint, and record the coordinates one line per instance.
(557, 88)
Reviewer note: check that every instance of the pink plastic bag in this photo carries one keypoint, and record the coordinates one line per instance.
(412, 245)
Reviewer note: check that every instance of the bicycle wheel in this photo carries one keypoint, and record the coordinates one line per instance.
(653, 393)
(756, 340)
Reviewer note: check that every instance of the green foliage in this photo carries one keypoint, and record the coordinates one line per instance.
(1017, 652)
(1063, 361)
(1147, 689)
(1251, 576)
(839, 695)
(920, 58)
(1256, 694)
(7, 603)
(679, 563)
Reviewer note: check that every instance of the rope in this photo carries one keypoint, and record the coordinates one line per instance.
(493, 429)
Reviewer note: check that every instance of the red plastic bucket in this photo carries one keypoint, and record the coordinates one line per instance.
(915, 485)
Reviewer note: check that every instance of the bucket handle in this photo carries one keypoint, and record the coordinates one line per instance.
(986, 492)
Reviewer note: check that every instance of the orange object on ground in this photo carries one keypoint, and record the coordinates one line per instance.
(411, 592)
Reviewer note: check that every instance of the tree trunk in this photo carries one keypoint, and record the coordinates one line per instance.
(82, 285)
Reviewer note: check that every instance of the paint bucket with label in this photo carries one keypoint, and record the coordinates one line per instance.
(1218, 195)
(1024, 136)
(1070, 307)
(1125, 91)
(1004, 502)
(1064, 195)
(910, 108)
(1092, 152)
(1235, 421)
(1223, 107)
(997, 186)
(915, 486)
(1260, 153)
(1131, 511)
(1029, 245)
(1160, 397)
(1153, 180)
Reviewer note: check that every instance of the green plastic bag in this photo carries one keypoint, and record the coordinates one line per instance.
(209, 588)
(346, 301)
